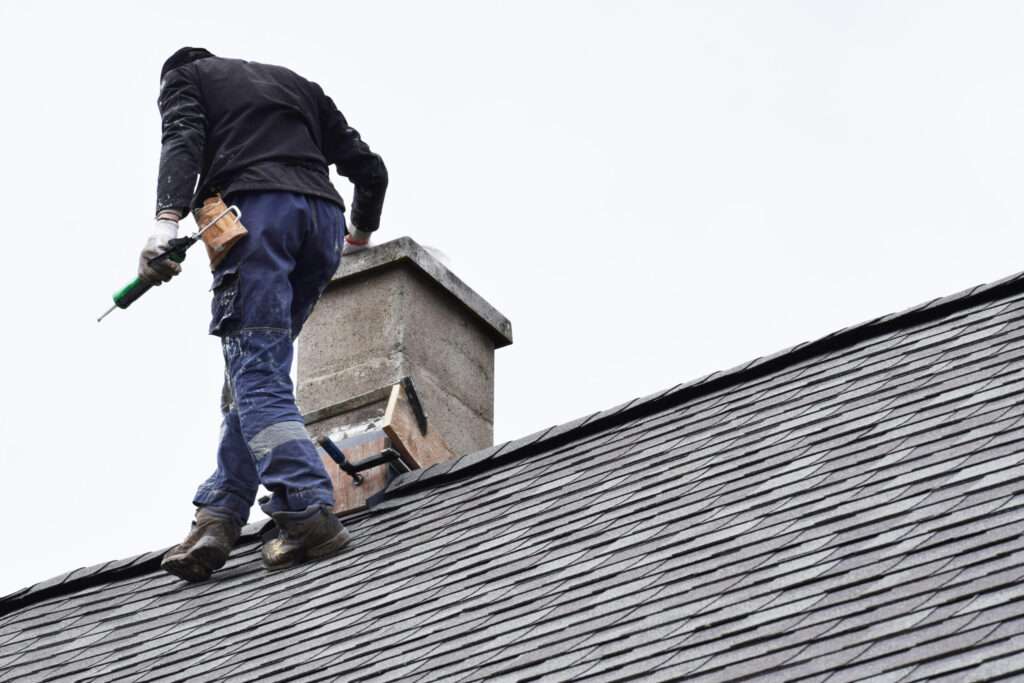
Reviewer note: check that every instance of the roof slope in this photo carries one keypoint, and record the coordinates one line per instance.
(847, 509)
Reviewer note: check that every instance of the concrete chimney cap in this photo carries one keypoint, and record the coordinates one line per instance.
(406, 250)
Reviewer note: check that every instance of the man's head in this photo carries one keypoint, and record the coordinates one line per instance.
(185, 55)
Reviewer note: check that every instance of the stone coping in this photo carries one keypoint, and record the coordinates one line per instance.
(405, 250)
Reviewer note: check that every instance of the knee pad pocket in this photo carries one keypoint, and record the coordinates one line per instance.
(224, 311)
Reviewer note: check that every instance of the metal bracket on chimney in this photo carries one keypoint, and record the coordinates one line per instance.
(389, 456)
(414, 402)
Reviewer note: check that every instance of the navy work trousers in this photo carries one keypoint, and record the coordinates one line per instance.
(263, 292)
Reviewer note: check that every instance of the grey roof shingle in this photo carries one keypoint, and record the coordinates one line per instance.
(848, 509)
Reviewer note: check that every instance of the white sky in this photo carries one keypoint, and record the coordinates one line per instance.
(649, 191)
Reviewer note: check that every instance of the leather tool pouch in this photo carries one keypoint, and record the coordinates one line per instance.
(226, 230)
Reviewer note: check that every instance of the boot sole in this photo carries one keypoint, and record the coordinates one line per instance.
(326, 549)
(197, 564)
(185, 568)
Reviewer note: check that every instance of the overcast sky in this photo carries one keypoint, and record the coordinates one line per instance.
(650, 191)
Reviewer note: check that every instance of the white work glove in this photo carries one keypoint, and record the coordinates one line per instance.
(164, 230)
(355, 241)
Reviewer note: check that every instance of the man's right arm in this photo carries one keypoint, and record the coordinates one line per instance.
(181, 156)
(183, 140)
(343, 147)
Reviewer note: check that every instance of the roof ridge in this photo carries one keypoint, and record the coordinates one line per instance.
(545, 439)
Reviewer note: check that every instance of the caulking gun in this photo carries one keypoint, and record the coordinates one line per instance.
(176, 249)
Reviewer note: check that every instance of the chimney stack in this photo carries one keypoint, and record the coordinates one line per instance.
(396, 367)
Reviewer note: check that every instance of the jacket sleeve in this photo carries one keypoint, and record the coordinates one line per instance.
(352, 157)
(183, 139)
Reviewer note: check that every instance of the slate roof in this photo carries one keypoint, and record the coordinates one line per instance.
(849, 509)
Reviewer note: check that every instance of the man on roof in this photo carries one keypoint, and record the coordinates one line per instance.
(261, 137)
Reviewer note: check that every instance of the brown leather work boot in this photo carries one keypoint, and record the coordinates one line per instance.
(308, 535)
(207, 546)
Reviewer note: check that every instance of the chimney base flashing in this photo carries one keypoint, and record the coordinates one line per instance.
(347, 406)
(360, 376)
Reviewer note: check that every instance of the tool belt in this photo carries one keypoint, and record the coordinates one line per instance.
(225, 231)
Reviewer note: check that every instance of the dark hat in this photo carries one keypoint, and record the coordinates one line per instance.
(185, 55)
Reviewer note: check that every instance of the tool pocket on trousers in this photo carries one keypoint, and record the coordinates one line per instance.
(225, 307)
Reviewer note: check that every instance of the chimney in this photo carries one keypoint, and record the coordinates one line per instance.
(396, 368)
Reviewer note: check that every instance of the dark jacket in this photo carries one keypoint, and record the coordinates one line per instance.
(240, 125)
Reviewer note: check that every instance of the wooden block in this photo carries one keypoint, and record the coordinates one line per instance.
(418, 450)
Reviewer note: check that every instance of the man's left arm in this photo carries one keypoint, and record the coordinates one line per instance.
(353, 158)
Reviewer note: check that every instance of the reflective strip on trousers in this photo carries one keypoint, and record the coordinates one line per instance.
(276, 434)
